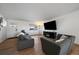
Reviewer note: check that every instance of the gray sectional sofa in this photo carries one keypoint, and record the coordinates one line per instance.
(24, 41)
(51, 47)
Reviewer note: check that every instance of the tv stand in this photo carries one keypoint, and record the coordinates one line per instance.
(51, 35)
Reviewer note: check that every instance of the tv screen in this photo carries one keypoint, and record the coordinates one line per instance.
(50, 25)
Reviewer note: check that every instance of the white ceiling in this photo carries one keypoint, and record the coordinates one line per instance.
(36, 11)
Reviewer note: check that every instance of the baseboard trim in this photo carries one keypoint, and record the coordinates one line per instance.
(3, 41)
(77, 44)
(11, 37)
(6, 39)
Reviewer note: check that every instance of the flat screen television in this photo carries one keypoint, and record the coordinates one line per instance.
(50, 25)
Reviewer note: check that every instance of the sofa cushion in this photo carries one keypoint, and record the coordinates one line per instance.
(60, 40)
(58, 36)
(63, 37)
(28, 37)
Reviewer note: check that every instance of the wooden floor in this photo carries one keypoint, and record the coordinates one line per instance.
(8, 47)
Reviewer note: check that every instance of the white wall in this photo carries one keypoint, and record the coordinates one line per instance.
(13, 25)
(69, 24)
(20, 25)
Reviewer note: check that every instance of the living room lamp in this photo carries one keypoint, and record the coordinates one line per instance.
(39, 24)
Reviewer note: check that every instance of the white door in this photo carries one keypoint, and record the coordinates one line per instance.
(11, 31)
